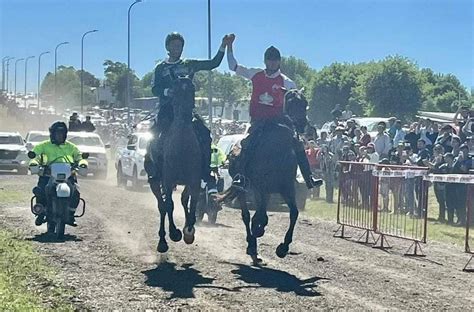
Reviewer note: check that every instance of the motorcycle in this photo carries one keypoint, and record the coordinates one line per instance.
(58, 192)
(206, 204)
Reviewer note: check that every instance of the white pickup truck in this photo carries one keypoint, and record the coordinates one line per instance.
(129, 160)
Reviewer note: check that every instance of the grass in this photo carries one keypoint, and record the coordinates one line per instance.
(26, 282)
(435, 231)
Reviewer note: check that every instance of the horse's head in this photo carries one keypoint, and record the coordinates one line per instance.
(183, 98)
(295, 107)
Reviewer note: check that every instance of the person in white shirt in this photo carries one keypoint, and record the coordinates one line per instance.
(399, 133)
(382, 141)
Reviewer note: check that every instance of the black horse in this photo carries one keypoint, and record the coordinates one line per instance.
(177, 154)
(271, 168)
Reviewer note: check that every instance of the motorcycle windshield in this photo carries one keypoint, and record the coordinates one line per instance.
(60, 171)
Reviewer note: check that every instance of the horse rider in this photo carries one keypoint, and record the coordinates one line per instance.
(56, 149)
(164, 74)
(266, 105)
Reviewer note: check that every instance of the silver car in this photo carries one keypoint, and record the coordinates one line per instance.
(13, 152)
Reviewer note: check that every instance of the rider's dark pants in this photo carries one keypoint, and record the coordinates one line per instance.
(41, 191)
(162, 122)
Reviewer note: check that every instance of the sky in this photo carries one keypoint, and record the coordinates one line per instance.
(434, 33)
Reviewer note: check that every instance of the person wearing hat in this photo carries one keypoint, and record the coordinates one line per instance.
(74, 123)
(338, 140)
(266, 104)
(165, 73)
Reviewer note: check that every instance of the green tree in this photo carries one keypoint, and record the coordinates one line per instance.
(393, 88)
(116, 78)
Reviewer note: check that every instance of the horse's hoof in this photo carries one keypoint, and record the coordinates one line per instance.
(282, 250)
(256, 261)
(189, 235)
(162, 247)
(176, 235)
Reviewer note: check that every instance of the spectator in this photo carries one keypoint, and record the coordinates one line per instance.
(357, 136)
(336, 112)
(456, 144)
(470, 144)
(424, 154)
(338, 140)
(445, 137)
(372, 155)
(347, 113)
(87, 125)
(451, 189)
(327, 161)
(439, 187)
(412, 136)
(312, 152)
(365, 139)
(391, 127)
(350, 128)
(323, 140)
(399, 133)
(464, 111)
(74, 123)
(432, 132)
(382, 141)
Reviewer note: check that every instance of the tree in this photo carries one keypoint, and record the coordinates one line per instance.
(298, 71)
(68, 87)
(393, 89)
(116, 78)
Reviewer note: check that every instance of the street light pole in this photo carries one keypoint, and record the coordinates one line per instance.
(209, 90)
(55, 71)
(3, 71)
(26, 75)
(7, 74)
(82, 68)
(39, 76)
(128, 93)
(16, 62)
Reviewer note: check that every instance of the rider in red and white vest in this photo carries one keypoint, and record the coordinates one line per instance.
(266, 104)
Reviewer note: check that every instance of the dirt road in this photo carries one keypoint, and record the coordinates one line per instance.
(111, 262)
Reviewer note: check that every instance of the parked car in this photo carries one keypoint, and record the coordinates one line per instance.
(91, 143)
(33, 138)
(13, 152)
(226, 143)
(371, 124)
(129, 160)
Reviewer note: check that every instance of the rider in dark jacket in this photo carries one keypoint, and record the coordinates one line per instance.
(165, 72)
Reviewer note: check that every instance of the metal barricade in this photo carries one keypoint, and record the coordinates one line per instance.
(468, 180)
(388, 200)
(355, 200)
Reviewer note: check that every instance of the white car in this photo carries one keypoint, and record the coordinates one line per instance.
(13, 152)
(91, 143)
(129, 160)
(33, 138)
(227, 142)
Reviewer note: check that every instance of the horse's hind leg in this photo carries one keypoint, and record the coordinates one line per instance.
(251, 240)
(175, 234)
(282, 249)
(156, 189)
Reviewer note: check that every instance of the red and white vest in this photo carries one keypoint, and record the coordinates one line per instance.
(267, 96)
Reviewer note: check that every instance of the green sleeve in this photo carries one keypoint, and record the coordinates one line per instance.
(198, 65)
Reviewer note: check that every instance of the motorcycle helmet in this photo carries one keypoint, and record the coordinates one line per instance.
(56, 127)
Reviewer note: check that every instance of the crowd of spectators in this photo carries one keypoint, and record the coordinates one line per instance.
(443, 148)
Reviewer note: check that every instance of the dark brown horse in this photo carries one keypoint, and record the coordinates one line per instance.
(271, 168)
(178, 154)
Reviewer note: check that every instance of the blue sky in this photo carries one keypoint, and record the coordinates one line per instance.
(434, 33)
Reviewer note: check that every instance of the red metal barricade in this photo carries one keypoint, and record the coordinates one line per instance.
(388, 200)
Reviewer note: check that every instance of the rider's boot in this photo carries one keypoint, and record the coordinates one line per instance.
(304, 166)
(40, 219)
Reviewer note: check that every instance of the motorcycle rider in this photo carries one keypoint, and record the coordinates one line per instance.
(266, 105)
(56, 149)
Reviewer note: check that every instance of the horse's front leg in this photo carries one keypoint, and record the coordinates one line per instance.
(283, 248)
(156, 189)
(189, 198)
(175, 234)
(260, 217)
